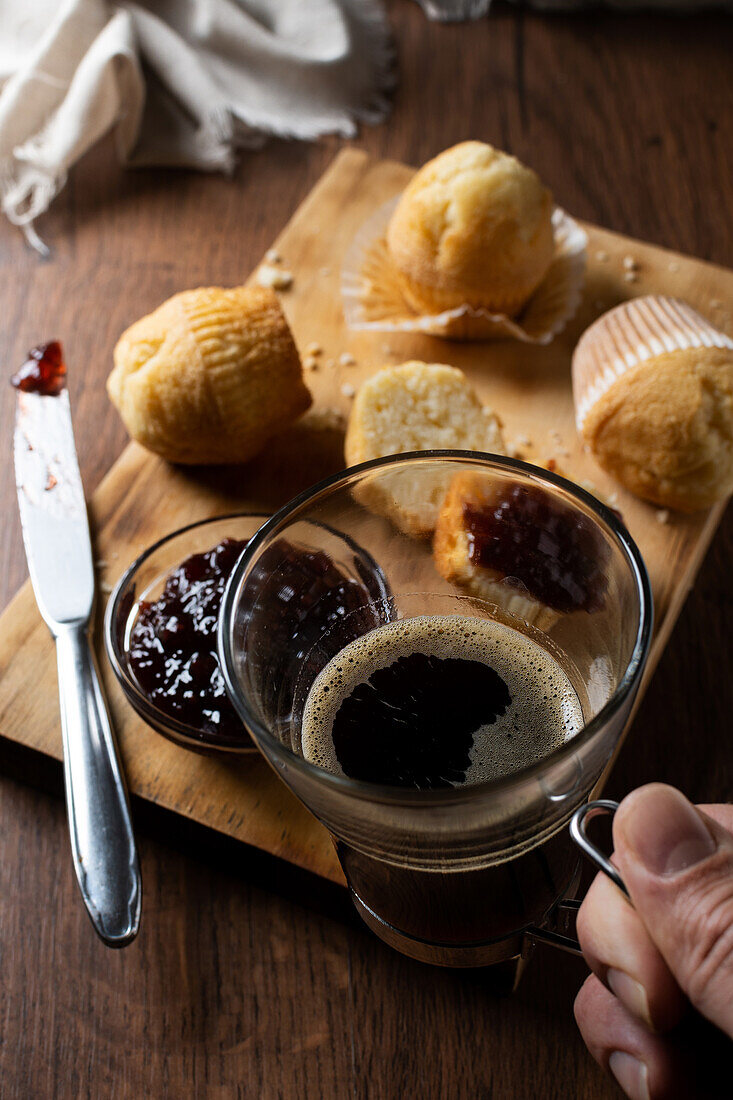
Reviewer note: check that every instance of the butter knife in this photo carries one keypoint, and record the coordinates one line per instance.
(58, 548)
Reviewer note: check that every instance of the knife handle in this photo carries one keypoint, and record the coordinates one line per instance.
(102, 841)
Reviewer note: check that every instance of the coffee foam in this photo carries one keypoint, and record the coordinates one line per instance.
(545, 710)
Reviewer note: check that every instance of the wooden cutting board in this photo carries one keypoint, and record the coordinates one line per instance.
(142, 498)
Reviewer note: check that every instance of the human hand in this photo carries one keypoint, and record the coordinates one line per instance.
(657, 1011)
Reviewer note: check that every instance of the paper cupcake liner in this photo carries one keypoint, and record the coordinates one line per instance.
(628, 335)
(373, 299)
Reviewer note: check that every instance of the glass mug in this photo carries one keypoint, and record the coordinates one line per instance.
(458, 876)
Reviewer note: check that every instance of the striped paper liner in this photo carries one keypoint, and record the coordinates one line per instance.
(630, 334)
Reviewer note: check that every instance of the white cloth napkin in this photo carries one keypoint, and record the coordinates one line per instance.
(182, 82)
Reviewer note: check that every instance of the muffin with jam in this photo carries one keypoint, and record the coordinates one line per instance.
(518, 547)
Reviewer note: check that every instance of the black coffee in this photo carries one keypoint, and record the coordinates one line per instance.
(438, 701)
(412, 723)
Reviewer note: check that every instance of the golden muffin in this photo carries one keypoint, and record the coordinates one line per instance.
(473, 227)
(518, 547)
(453, 547)
(416, 407)
(209, 376)
(653, 388)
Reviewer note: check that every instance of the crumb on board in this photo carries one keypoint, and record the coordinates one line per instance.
(602, 256)
(328, 419)
(310, 363)
(276, 277)
(611, 499)
(348, 390)
(105, 587)
(314, 349)
(387, 350)
(330, 363)
(273, 256)
(673, 265)
(715, 303)
(630, 276)
(558, 444)
(346, 359)
(630, 263)
(662, 515)
(592, 488)
(523, 441)
(100, 563)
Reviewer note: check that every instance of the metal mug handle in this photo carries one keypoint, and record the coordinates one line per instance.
(561, 932)
(587, 847)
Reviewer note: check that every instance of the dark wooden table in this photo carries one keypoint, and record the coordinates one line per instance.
(235, 987)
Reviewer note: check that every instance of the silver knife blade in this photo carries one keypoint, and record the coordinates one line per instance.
(58, 548)
(52, 509)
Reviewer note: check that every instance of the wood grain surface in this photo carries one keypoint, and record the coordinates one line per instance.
(142, 498)
(245, 981)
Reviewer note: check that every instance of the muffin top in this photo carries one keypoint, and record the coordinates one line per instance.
(209, 376)
(665, 428)
(473, 223)
(653, 388)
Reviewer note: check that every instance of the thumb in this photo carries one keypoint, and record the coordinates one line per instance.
(678, 866)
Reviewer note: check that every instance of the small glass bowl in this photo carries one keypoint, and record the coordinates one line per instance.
(144, 580)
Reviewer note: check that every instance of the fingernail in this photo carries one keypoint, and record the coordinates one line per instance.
(665, 830)
(631, 994)
(631, 1074)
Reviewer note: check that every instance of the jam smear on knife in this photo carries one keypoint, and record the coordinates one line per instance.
(44, 371)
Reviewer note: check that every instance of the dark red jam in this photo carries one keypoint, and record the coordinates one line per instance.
(307, 600)
(541, 546)
(300, 594)
(172, 649)
(412, 724)
(44, 371)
